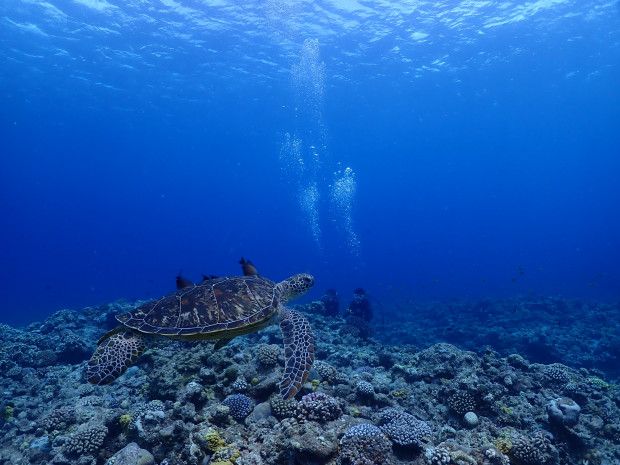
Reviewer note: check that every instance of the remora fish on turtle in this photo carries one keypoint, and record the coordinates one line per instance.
(219, 308)
(248, 268)
(183, 282)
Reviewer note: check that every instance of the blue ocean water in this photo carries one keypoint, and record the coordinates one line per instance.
(422, 150)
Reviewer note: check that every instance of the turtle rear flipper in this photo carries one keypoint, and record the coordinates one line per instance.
(298, 351)
(116, 351)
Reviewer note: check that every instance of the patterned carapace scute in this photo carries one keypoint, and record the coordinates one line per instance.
(114, 355)
(298, 351)
(220, 304)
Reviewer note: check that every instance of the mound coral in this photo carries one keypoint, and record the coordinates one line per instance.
(87, 440)
(404, 429)
(462, 402)
(240, 384)
(364, 444)
(59, 418)
(438, 456)
(365, 389)
(283, 408)
(318, 406)
(535, 449)
(329, 373)
(563, 411)
(558, 372)
(240, 406)
(268, 354)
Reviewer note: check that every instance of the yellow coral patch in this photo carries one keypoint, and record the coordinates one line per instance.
(214, 440)
(125, 421)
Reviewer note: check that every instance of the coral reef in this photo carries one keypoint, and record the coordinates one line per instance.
(399, 394)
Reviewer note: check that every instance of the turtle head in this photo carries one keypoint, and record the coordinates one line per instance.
(295, 286)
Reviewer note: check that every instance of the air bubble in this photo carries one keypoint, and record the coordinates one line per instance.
(309, 200)
(303, 155)
(342, 200)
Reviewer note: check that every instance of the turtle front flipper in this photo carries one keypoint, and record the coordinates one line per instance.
(116, 351)
(298, 351)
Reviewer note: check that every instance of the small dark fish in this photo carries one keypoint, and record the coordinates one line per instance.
(248, 268)
(183, 282)
(207, 278)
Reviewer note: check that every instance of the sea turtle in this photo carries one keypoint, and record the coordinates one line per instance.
(219, 308)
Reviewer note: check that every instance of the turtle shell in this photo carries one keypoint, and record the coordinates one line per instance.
(213, 309)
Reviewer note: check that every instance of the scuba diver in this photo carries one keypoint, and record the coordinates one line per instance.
(360, 306)
(331, 303)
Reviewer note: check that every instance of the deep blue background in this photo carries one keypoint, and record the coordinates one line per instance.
(495, 174)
